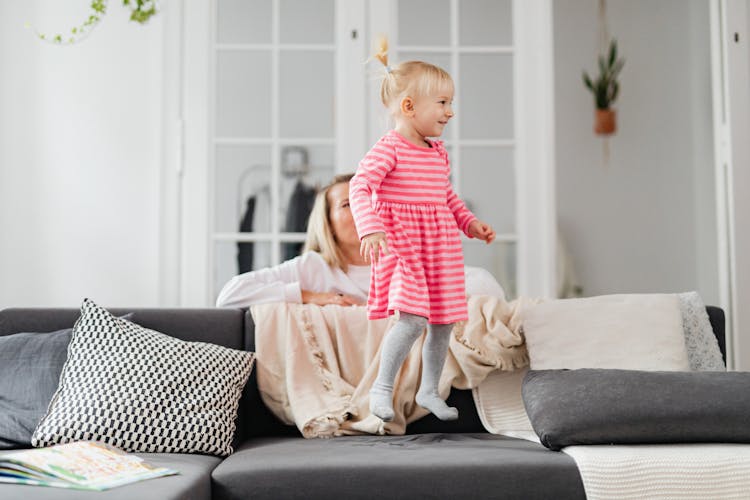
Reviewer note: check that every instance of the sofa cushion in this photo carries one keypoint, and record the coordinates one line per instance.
(626, 331)
(193, 482)
(141, 390)
(416, 466)
(599, 406)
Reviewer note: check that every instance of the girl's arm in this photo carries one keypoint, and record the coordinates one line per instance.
(463, 215)
(373, 168)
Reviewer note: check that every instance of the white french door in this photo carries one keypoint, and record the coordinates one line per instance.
(286, 98)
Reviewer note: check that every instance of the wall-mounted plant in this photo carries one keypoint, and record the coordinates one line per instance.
(140, 12)
(606, 89)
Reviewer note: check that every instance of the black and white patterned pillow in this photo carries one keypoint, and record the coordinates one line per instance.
(144, 391)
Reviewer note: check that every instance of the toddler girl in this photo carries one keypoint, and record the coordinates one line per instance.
(407, 217)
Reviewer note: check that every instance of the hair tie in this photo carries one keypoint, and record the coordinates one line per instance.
(388, 69)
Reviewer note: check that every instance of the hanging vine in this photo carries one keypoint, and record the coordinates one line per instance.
(140, 11)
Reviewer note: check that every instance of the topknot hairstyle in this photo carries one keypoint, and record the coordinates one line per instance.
(409, 78)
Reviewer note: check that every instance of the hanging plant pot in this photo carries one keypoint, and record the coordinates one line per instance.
(605, 121)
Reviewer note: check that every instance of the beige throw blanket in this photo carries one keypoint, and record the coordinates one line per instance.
(315, 365)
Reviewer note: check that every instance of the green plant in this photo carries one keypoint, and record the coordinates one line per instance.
(606, 87)
(140, 12)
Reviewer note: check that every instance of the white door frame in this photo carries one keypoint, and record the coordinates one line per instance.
(195, 288)
(730, 61)
(534, 112)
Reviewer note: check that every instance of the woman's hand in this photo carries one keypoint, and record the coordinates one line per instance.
(325, 298)
(372, 245)
(482, 231)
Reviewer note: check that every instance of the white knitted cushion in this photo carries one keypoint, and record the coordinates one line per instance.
(144, 391)
(703, 349)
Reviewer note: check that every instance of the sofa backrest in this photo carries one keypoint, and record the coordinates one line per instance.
(234, 328)
(219, 326)
(263, 422)
(716, 316)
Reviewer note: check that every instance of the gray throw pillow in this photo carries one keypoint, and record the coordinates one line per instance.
(608, 406)
(30, 367)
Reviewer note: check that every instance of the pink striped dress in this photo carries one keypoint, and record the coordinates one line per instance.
(404, 190)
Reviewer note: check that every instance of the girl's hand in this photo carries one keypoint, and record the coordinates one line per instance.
(325, 298)
(373, 244)
(482, 231)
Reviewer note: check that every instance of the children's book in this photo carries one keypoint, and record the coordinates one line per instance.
(85, 465)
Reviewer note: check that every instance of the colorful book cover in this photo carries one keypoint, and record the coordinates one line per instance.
(85, 465)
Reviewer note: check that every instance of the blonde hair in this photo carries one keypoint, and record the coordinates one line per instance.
(320, 236)
(409, 78)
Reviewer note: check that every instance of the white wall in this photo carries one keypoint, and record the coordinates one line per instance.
(81, 135)
(79, 158)
(645, 220)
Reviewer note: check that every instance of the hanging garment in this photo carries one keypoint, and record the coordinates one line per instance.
(245, 249)
(256, 218)
(297, 213)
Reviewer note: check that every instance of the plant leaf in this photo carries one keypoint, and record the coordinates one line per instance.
(612, 52)
(587, 81)
(602, 66)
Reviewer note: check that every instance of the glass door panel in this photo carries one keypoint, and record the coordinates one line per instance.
(304, 169)
(486, 96)
(488, 186)
(306, 84)
(243, 21)
(243, 93)
(306, 21)
(485, 22)
(424, 22)
(242, 189)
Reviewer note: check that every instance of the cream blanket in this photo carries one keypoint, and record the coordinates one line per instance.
(677, 471)
(315, 365)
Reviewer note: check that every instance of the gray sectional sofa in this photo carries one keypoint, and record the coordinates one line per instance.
(272, 461)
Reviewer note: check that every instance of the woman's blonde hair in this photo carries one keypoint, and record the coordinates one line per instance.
(320, 237)
(409, 78)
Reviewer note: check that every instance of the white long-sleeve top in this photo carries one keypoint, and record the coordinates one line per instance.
(285, 282)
